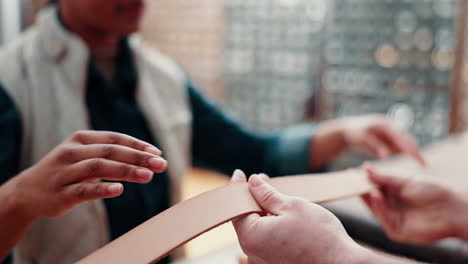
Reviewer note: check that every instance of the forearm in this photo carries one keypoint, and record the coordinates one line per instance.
(15, 220)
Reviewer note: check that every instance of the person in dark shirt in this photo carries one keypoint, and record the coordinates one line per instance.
(217, 141)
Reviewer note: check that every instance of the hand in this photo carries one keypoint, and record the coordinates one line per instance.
(372, 134)
(415, 210)
(70, 173)
(291, 231)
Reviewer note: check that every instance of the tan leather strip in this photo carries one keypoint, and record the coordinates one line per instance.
(159, 236)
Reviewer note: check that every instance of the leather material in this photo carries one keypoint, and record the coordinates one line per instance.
(179, 224)
(160, 235)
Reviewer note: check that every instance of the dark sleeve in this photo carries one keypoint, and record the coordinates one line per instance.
(220, 143)
(10, 137)
(10, 142)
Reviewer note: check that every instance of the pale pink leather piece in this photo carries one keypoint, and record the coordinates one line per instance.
(172, 228)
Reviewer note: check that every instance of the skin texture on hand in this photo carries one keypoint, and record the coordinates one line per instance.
(293, 230)
(70, 174)
(372, 134)
(414, 210)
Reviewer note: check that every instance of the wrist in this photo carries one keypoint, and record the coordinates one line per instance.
(335, 132)
(328, 143)
(345, 250)
(355, 254)
(15, 201)
(366, 256)
(14, 217)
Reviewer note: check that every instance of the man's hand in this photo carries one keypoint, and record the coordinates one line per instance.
(373, 134)
(291, 231)
(71, 173)
(415, 210)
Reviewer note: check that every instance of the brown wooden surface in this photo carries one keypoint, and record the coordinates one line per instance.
(191, 32)
(457, 90)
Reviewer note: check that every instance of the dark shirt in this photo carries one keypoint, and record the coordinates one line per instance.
(112, 107)
(218, 142)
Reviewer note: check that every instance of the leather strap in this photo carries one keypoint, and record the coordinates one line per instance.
(159, 236)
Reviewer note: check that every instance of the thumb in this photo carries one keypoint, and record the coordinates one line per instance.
(238, 177)
(383, 180)
(266, 196)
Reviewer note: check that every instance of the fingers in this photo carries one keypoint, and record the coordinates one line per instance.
(371, 200)
(376, 203)
(386, 204)
(103, 137)
(88, 191)
(264, 177)
(389, 216)
(266, 196)
(93, 169)
(238, 177)
(377, 147)
(366, 198)
(243, 224)
(385, 181)
(402, 143)
(77, 153)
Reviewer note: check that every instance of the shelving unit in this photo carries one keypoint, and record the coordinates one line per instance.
(393, 57)
(272, 58)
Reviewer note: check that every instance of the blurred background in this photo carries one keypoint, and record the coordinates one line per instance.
(275, 63)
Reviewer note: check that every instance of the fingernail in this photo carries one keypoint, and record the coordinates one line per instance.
(255, 180)
(144, 175)
(157, 163)
(237, 174)
(153, 150)
(115, 188)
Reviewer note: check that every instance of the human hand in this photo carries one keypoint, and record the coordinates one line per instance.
(70, 173)
(417, 211)
(377, 135)
(292, 230)
(372, 134)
